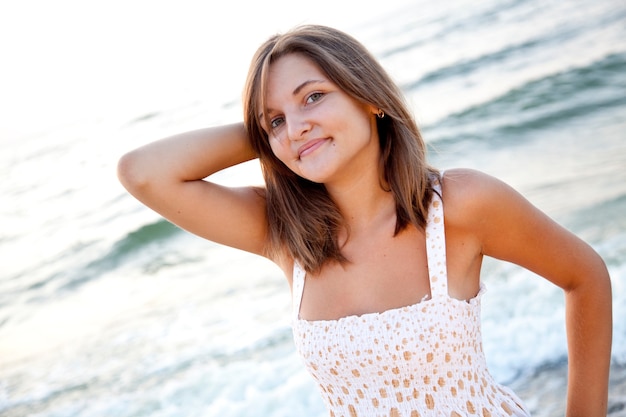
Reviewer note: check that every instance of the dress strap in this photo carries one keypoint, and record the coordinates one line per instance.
(297, 289)
(436, 245)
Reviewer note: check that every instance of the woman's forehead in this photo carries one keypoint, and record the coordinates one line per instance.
(292, 67)
(286, 77)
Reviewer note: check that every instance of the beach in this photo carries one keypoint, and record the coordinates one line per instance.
(106, 309)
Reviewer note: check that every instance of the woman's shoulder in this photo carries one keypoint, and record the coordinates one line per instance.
(468, 185)
(470, 195)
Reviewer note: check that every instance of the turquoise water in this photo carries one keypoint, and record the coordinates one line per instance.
(106, 309)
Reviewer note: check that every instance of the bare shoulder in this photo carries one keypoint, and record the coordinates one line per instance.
(496, 216)
(470, 195)
(505, 225)
(478, 208)
(466, 182)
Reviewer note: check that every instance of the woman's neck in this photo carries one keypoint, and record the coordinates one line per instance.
(364, 204)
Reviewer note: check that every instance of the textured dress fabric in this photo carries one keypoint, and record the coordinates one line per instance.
(421, 360)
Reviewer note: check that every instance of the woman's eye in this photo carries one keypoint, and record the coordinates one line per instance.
(314, 97)
(276, 122)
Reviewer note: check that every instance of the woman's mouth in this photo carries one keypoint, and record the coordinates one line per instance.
(310, 147)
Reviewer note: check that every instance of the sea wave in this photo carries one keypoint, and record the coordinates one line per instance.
(539, 104)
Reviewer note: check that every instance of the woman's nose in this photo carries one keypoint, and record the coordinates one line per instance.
(297, 127)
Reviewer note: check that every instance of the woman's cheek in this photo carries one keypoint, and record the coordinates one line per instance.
(279, 150)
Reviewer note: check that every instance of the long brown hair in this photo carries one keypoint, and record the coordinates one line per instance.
(303, 219)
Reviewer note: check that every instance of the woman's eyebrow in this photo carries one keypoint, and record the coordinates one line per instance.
(304, 84)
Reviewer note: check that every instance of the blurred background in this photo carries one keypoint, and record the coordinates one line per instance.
(108, 310)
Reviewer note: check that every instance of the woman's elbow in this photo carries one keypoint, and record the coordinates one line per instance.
(594, 278)
(130, 172)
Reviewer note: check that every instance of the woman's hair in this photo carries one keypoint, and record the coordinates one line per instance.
(303, 219)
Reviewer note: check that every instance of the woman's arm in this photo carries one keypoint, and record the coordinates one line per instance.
(168, 176)
(512, 229)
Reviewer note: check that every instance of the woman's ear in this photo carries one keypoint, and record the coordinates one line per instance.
(373, 109)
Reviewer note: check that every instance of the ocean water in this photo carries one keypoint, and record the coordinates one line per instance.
(108, 310)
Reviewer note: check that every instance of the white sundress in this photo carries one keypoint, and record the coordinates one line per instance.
(422, 360)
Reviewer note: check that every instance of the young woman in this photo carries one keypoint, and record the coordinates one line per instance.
(383, 253)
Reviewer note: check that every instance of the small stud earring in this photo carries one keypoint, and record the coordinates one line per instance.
(380, 113)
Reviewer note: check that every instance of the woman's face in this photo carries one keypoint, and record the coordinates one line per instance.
(315, 128)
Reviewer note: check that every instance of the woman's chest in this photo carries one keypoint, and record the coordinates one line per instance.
(381, 275)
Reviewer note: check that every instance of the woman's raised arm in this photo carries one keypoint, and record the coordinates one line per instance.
(169, 177)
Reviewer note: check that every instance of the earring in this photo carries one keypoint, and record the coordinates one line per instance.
(380, 113)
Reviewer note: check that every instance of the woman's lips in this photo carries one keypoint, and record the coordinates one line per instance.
(310, 146)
